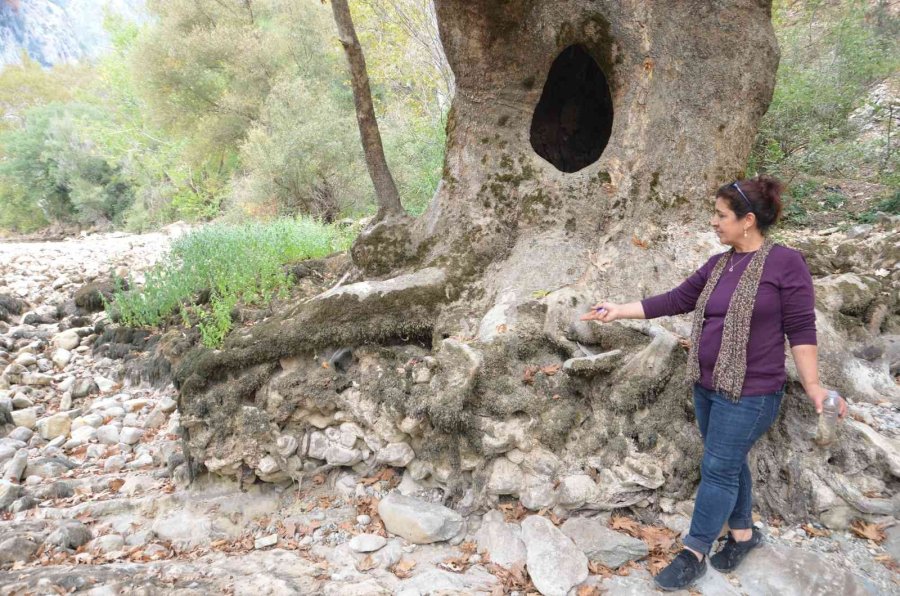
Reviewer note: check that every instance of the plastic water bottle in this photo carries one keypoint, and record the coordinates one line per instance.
(828, 419)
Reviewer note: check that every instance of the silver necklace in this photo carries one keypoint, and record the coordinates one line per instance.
(732, 263)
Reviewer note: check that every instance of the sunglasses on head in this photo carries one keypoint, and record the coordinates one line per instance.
(749, 204)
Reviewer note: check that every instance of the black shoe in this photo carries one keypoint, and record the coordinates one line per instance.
(731, 555)
(683, 571)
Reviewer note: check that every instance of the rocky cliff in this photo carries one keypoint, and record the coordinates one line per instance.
(59, 31)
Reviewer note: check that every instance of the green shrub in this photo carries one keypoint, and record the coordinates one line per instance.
(232, 263)
(831, 55)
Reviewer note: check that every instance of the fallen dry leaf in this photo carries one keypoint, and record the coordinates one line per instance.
(469, 548)
(596, 568)
(814, 531)
(551, 369)
(639, 243)
(625, 524)
(403, 568)
(889, 562)
(659, 540)
(366, 563)
(528, 375)
(863, 529)
(588, 591)
(455, 564)
(657, 563)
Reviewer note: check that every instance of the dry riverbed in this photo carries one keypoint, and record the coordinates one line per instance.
(95, 499)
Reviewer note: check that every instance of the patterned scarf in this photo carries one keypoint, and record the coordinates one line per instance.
(731, 363)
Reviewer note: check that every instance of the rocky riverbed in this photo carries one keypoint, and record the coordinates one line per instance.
(95, 496)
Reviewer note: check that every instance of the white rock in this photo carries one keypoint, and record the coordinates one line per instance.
(61, 358)
(57, 425)
(108, 434)
(418, 521)
(84, 433)
(264, 541)
(114, 463)
(505, 478)
(26, 417)
(167, 405)
(576, 490)
(367, 543)
(130, 435)
(554, 563)
(107, 544)
(287, 445)
(67, 340)
(396, 454)
(501, 540)
(105, 385)
(268, 465)
(37, 379)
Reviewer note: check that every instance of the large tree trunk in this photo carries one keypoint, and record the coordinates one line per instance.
(385, 188)
(584, 144)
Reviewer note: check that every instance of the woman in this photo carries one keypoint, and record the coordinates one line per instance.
(747, 299)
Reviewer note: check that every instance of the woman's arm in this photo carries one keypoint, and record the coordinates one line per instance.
(806, 357)
(798, 311)
(674, 302)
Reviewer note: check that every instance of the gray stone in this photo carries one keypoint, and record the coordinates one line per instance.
(20, 402)
(70, 534)
(9, 492)
(48, 467)
(779, 569)
(84, 387)
(396, 454)
(892, 541)
(601, 544)
(593, 365)
(155, 419)
(418, 521)
(23, 503)
(114, 463)
(576, 490)
(103, 384)
(505, 477)
(367, 543)
(16, 466)
(37, 379)
(339, 455)
(501, 540)
(17, 548)
(21, 433)
(554, 563)
(183, 527)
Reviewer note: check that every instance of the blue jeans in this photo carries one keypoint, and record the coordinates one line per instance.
(729, 430)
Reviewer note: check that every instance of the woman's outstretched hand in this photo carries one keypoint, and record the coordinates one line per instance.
(605, 312)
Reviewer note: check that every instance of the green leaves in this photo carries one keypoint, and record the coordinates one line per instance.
(232, 265)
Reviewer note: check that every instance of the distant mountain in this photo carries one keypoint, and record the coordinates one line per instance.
(57, 31)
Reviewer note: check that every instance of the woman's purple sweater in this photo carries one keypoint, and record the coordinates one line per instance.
(785, 305)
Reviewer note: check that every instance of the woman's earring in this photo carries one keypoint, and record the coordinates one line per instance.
(745, 232)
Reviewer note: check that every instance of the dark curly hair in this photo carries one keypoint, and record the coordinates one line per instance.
(761, 195)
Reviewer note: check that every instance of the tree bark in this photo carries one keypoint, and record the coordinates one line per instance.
(385, 188)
